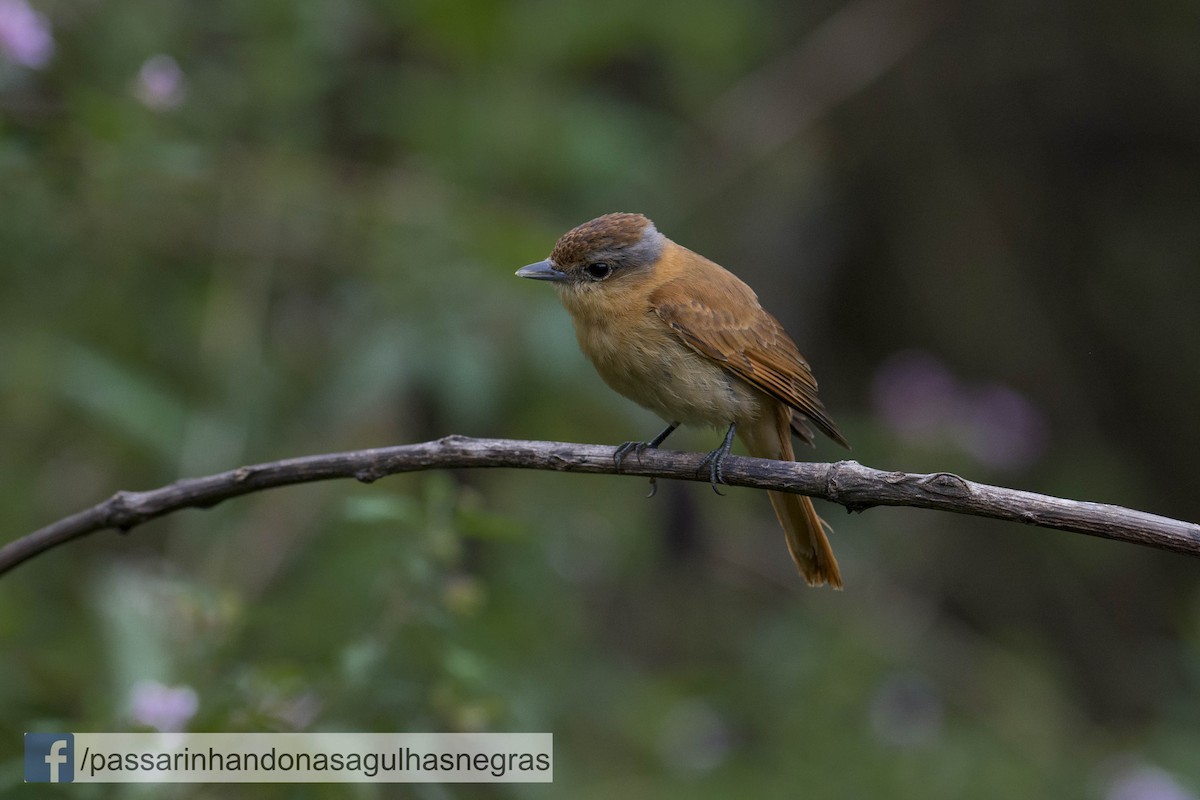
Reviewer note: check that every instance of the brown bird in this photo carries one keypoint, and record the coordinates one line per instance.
(685, 338)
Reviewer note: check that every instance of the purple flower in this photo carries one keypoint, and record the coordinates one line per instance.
(1003, 428)
(915, 395)
(164, 708)
(921, 401)
(1146, 782)
(24, 34)
(160, 84)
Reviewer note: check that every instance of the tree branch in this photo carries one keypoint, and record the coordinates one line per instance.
(845, 482)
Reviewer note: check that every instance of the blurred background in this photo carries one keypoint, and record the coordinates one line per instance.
(234, 232)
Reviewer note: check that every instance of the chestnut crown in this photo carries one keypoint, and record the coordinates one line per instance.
(606, 246)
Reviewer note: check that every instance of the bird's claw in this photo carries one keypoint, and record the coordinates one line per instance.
(715, 474)
(637, 448)
(715, 461)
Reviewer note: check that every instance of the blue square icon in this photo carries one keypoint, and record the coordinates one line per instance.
(49, 757)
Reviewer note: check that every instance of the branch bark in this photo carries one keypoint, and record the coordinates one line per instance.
(846, 482)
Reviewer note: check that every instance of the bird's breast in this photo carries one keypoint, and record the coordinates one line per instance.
(640, 356)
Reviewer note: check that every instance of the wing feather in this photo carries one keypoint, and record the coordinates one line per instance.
(720, 318)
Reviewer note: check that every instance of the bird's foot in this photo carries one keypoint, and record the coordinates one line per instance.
(637, 448)
(716, 458)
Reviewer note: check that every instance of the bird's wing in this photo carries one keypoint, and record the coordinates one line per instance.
(720, 318)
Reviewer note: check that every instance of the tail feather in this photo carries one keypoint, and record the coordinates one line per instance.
(803, 530)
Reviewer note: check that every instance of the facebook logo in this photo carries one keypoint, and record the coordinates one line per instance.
(49, 757)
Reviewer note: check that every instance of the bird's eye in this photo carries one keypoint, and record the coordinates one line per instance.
(598, 270)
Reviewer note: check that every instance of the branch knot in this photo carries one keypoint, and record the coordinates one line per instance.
(119, 512)
(947, 484)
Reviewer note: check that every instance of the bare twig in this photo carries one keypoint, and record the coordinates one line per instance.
(845, 482)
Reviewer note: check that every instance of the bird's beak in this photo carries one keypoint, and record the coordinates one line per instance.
(542, 271)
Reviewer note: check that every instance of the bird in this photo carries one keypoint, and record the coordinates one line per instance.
(685, 338)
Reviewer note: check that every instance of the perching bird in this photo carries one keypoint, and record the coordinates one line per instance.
(688, 340)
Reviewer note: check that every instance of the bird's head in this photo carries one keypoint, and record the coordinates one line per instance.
(597, 256)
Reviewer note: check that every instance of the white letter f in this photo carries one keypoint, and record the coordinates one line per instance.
(56, 757)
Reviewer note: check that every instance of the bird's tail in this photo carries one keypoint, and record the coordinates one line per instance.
(802, 528)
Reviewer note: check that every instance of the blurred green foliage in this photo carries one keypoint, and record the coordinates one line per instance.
(238, 231)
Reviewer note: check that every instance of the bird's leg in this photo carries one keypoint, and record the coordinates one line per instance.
(640, 447)
(714, 459)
